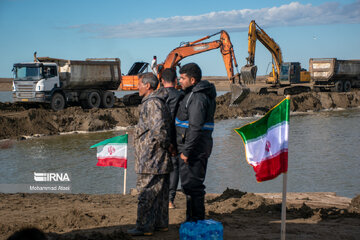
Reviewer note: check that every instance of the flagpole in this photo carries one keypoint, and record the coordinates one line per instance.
(124, 181)
(125, 172)
(283, 208)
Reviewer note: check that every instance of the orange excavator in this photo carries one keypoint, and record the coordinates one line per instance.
(191, 48)
(187, 49)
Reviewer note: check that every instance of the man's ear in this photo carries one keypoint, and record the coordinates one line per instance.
(192, 81)
(147, 86)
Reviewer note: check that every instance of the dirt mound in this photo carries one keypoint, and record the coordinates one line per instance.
(19, 120)
(228, 193)
(355, 205)
(108, 216)
(255, 104)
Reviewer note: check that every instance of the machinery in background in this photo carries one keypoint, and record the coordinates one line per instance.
(333, 74)
(285, 78)
(60, 82)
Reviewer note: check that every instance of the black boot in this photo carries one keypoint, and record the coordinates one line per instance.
(189, 214)
(198, 208)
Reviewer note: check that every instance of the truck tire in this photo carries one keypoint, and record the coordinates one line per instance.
(107, 99)
(57, 102)
(338, 87)
(93, 100)
(132, 99)
(347, 86)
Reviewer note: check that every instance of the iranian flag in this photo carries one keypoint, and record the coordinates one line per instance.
(266, 142)
(112, 152)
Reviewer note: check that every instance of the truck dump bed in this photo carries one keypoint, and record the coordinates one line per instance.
(104, 74)
(332, 69)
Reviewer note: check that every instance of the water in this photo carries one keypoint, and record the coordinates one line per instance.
(323, 157)
(6, 96)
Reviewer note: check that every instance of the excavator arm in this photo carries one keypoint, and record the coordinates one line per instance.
(248, 72)
(196, 47)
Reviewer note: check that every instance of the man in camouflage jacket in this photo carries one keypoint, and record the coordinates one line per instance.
(152, 159)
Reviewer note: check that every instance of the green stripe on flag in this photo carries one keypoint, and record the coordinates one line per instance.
(280, 113)
(116, 140)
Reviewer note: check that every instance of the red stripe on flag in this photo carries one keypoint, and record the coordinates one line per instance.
(270, 168)
(112, 161)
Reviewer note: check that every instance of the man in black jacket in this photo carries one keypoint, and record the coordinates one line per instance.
(173, 97)
(194, 127)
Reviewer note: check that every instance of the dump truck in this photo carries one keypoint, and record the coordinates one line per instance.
(60, 82)
(333, 74)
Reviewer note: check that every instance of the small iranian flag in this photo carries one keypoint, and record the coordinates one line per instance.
(266, 142)
(112, 152)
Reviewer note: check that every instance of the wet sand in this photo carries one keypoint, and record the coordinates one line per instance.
(243, 215)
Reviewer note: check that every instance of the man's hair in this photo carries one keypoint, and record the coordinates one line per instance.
(30, 233)
(149, 78)
(169, 75)
(191, 70)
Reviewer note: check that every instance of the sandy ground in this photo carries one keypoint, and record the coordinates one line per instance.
(18, 119)
(243, 215)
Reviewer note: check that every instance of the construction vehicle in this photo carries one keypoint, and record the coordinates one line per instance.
(333, 74)
(59, 82)
(285, 78)
(130, 81)
(186, 49)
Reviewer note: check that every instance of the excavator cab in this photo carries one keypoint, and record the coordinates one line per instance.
(137, 68)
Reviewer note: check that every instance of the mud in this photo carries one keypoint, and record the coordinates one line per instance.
(243, 215)
(19, 120)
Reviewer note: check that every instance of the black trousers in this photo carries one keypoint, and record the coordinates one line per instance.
(192, 177)
(174, 178)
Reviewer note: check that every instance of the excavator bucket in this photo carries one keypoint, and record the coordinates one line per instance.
(238, 93)
(248, 74)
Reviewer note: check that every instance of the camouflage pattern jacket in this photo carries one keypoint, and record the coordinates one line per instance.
(152, 136)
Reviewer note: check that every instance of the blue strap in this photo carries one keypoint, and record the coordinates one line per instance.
(185, 124)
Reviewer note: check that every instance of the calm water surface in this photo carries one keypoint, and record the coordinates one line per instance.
(323, 157)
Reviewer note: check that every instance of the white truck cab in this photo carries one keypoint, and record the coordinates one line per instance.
(33, 80)
(61, 82)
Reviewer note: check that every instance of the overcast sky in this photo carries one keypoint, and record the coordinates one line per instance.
(137, 30)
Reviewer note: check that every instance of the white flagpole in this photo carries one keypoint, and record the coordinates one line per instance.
(124, 181)
(125, 168)
(283, 208)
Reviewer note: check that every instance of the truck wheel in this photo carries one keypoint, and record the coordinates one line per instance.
(132, 99)
(347, 86)
(57, 102)
(107, 99)
(338, 87)
(93, 100)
